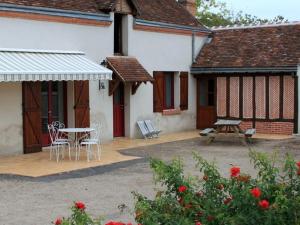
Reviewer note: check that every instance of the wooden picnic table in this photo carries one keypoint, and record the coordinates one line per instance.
(227, 126)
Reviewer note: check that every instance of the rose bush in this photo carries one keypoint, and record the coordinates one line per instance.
(270, 198)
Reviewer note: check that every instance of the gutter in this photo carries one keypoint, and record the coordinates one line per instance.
(171, 26)
(226, 70)
(55, 12)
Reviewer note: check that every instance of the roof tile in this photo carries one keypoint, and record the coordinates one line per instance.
(261, 46)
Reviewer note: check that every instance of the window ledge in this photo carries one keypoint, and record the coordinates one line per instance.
(170, 112)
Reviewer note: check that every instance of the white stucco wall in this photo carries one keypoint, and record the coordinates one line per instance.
(11, 125)
(162, 52)
(95, 41)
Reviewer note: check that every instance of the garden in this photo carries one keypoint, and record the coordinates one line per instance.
(272, 197)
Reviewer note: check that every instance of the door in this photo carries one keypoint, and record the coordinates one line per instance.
(53, 106)
(82, 104)
(118, 111)
(32, 129)
(206, 102)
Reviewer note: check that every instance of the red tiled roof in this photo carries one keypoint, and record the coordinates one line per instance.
(128, 69)
(167, 11)
(75, 5)
(252, 47)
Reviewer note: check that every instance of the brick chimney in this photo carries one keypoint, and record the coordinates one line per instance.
(190, 5)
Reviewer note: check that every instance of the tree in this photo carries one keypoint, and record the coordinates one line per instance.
(216, 13)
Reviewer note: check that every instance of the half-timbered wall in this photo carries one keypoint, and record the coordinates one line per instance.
(265, 102)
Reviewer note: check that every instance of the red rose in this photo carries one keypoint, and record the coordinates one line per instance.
(115, 223)
(80, 205)
(58, 221)
(227, 200)
(235, 171)
(264, 204)
(198, 223)
(298, 164)
(256, 192)
(182, 189)
(210, 218)
(205, 177)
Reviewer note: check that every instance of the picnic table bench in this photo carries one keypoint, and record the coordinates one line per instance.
(227, 126)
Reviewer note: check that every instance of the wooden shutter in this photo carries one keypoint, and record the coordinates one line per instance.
(184, 90)
(32, 124)
(158, 92)
(82, 104)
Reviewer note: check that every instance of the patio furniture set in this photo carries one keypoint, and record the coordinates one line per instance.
(147, 129)
(227, 126)
(61, 138)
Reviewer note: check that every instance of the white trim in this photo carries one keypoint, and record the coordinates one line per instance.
(236, 27)
(40, 51)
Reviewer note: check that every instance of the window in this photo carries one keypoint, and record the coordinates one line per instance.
(169, 91)
(118, 34)
(163, 91)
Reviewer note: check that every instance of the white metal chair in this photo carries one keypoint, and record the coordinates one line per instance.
(60, 136)
(59, 145)
(151, 128)
(94, 140)
(144, 130)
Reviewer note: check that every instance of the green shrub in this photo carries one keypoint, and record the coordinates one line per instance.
(271, 198)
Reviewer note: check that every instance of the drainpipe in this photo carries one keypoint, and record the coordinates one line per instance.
(193, 48)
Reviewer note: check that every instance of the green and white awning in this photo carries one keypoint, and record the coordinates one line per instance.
(43, 65)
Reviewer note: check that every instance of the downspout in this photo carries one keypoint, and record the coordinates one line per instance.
(193, 48)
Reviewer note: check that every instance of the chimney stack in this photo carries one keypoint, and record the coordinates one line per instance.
(190, 6)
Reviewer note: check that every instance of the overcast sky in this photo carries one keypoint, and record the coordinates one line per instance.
(290, 9)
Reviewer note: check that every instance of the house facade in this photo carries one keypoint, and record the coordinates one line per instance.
(254, 71)
(115, 62)
(161, 37)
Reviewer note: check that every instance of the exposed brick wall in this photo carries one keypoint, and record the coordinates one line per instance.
(234, 97)
(288, 97)
(286, 128)
(221, 96)
(274, 97)
(248, 97)
(260, 97)
(275, 127)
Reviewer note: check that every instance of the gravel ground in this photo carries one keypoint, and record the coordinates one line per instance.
(26, 201)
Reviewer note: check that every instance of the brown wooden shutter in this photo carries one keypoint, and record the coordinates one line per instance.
(32, 124)
(158, 92)
(184, 90)
(82, 104)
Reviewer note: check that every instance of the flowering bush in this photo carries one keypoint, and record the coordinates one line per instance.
(271, 198)
(80, 217)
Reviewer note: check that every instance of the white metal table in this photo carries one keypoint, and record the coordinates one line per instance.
(76, 131)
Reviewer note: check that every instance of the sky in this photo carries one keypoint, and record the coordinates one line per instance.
(289, 9)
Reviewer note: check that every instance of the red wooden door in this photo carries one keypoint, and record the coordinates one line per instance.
(206, 103)
(118, 111)
(53, 106)
(82, 104)
(32, 125)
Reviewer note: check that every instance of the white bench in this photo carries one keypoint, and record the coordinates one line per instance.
(206, 132)
(249, 133)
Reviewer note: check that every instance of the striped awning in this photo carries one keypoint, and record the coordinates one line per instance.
(43, 65)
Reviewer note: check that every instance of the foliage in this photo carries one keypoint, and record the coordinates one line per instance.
(216, 13)
(270, 198)
(81, 217)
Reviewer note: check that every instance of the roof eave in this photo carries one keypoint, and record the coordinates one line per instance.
(229, 70)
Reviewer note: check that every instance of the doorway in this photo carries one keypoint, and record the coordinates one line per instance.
(118, 111)
(206, 102)
(54, 106)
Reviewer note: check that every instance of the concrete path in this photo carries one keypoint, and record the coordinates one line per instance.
(38, 201)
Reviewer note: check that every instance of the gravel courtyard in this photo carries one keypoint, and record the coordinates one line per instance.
(27, 201)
